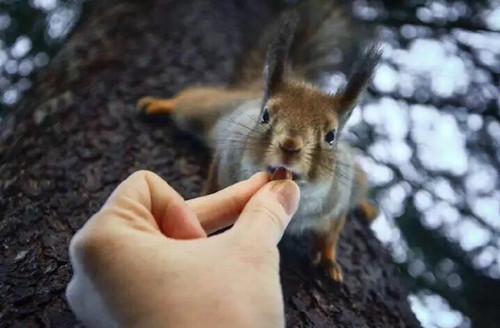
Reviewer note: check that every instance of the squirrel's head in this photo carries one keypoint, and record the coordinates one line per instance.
(300, 124)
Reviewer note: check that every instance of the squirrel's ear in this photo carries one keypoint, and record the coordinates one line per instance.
(359, 80)
(277, 54)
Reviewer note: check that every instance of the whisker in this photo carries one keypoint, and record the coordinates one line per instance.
(250, 128)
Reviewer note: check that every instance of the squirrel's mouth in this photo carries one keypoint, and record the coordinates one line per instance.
(280, 172)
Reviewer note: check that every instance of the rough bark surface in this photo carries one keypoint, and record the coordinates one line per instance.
(78, 134)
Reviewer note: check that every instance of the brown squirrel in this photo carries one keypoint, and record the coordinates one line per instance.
(281, 121)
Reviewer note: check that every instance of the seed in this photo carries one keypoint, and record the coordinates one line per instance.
(282, 174)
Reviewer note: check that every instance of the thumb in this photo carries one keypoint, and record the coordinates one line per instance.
(269, 211)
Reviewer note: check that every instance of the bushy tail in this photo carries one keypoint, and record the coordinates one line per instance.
(322, 39)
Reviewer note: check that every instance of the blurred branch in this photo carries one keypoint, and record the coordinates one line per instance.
(465, 211)
(437, 102)
(407, 19)
(470, 299)
(471, 51)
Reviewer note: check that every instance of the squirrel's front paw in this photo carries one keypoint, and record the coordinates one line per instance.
(367, 210)
(335, 271)
(333, 268)
(316, 260)
(152, 105)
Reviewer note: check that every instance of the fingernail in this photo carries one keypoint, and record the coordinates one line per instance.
(288, 194)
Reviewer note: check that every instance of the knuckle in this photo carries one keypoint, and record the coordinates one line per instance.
(141, 174)
(270, 252)
(273, 214)
(256, 253)
(88, 242)
(83, 246)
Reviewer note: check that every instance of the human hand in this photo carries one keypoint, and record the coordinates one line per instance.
(144, 260)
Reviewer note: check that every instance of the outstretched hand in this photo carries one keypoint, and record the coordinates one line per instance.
(144, 260)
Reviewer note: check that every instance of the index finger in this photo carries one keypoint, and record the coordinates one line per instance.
(220, 210)
(145, 198)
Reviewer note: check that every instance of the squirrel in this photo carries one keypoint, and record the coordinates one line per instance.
(282, 123)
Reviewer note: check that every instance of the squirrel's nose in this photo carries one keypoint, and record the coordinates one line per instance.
(291, 144)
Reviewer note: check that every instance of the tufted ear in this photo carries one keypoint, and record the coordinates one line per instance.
(277, 54)
(358, 80)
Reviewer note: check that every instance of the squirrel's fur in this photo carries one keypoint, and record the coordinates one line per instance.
(271, 116)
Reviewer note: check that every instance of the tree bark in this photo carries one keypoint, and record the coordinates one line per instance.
(77, 134)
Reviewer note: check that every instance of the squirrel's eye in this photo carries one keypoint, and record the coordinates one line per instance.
(265, 116)
(330, 137)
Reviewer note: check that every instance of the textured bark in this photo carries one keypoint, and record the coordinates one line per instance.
(78, 134)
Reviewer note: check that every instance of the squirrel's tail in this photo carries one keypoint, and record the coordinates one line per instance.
(320, 35)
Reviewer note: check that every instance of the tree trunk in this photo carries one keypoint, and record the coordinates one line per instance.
(78, 134)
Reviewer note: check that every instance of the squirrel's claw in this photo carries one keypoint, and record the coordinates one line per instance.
(316, 261)
(333, 268)
(335, 271)
(152, 105)
(367, 210)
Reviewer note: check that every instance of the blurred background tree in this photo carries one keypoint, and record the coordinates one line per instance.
(31, 31)
(429, 132)
(431, 136)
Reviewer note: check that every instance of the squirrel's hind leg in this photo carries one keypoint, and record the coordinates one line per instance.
(326, 245)
(152, 105)
(196, 109)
